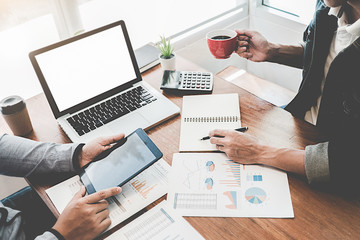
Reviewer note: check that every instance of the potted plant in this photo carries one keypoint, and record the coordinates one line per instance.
(167, 56)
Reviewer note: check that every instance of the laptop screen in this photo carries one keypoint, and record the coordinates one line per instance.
(85, 68)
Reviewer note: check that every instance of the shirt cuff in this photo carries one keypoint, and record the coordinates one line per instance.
(57, 234)
(75, 158)
(317, 163)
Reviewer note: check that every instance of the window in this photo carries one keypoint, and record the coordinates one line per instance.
(146, 20)
(22, 31)
(303, 9)
(26, 25)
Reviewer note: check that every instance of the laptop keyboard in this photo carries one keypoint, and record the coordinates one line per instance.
(110, 110)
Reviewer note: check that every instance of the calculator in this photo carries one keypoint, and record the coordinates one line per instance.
(187, 81)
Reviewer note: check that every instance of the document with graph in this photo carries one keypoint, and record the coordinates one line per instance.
(139, 192)
(211, 185)
(202, 113)
(160, 222)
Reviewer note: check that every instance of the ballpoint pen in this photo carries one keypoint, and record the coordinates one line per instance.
(242, 129)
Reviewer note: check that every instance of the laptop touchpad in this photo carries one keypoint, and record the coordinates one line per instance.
(127, 124)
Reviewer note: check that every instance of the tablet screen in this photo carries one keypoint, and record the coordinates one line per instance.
(120, 165)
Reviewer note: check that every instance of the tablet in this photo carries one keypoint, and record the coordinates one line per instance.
(123, 161)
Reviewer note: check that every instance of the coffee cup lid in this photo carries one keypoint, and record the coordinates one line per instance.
(11, 104)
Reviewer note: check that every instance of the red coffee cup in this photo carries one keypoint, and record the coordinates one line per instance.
(222, 43)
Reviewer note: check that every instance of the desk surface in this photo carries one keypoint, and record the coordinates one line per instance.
(318, 215)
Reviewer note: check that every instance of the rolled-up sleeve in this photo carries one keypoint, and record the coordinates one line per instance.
(317, 163)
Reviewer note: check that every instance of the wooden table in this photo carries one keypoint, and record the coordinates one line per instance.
(318, 214)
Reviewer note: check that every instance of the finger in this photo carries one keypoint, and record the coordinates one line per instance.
(243, 43)
(100, 206)
(240, 31)
(102, 226)
(96, 197)
(246, 32)
(218, 132)
(220, 148)
(217, 141)
(101, 216)
(241, 50)
(243, 38)
(246, 55)
(105, 224)
(112, 139)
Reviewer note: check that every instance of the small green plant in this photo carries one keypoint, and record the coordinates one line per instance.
(165, 47)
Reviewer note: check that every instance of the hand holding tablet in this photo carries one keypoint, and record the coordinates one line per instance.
(124, 160)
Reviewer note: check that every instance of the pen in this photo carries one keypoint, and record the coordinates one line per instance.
(242, 129)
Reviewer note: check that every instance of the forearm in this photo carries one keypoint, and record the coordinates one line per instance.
(290, 160)
(21, 157)
(290, 55)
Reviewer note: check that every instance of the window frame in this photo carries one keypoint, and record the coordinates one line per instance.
(258, 10)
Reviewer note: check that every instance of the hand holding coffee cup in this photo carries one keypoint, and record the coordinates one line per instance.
(222, 43)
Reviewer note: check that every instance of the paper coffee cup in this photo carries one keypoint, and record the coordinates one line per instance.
(14, 111)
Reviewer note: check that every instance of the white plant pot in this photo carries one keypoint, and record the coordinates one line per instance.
(168, 63)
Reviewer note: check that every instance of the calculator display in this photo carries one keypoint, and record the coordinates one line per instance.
(171, 80)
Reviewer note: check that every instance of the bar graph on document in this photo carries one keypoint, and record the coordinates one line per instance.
(232, 173)
(159, 222)
(142, 187)
(205, 185)
(146, 184)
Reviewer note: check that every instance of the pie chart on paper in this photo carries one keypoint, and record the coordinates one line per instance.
(255, 195)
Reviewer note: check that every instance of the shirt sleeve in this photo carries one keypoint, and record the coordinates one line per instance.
(22, 157)
(48, 236)
(317, 163)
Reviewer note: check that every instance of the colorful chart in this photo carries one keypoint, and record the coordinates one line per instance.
(254, 178)
(209, 183)
(142, 187)
(255, 195)
(233, 178)
(210, 166)
(232, 197)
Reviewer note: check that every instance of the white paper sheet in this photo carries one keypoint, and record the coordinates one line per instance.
(209, 184)
(136, 194)
(160, 222)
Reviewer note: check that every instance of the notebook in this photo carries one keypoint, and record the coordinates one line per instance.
(147, 56)
(203, 113)
(94, 87)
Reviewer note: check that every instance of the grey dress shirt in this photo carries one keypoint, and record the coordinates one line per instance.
(25, 158)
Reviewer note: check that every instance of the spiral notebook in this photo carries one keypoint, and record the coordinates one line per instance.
(203, 113)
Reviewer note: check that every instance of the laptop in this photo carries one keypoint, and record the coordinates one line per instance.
(94, 88)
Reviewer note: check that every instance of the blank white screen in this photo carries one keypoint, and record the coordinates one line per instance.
(86, 68)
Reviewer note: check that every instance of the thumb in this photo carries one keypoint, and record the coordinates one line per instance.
(246, 32)
(81, 193)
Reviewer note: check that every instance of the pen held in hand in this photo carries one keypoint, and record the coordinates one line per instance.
(242, 129)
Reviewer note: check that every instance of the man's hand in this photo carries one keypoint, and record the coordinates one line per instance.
(253, 46)
(95, 147)
(245, 149)
(86, 217)
(239, 147)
